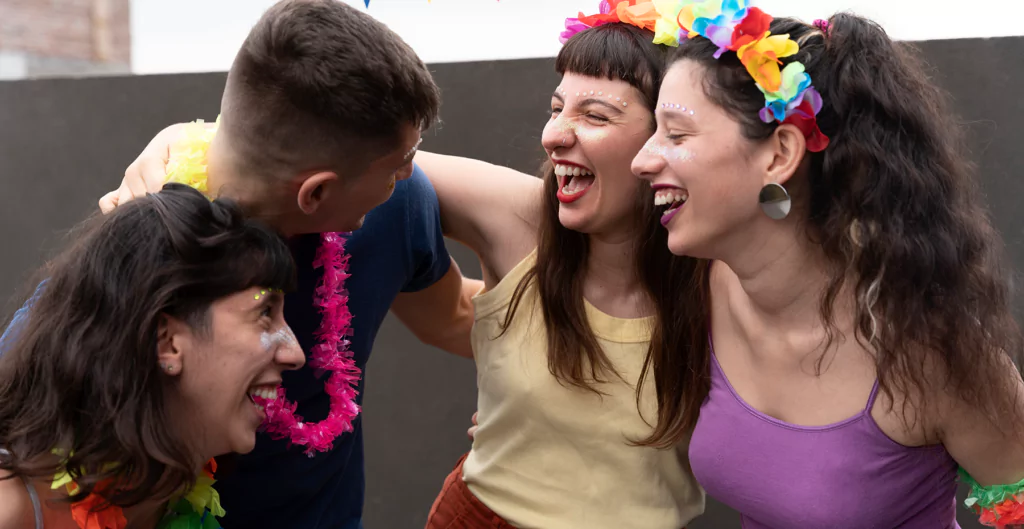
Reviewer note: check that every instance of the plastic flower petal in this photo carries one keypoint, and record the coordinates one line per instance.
(761, 58)
(642, 14)
(203, 496)
(753, 26)
(804, 120)
(187, 163)
(62, 478)
(87, 516)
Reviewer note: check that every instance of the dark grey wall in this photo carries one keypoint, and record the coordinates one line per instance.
(63, 143)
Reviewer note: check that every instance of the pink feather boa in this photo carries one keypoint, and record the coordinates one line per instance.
(331, 355)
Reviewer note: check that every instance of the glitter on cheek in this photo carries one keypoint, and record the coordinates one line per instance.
(567, 125)
(588, 135)
(680, 154)
(654, 147)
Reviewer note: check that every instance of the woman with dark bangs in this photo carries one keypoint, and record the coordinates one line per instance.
(136, 363)
(581, 294)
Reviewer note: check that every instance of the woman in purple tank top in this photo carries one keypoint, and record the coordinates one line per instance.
(861, 342)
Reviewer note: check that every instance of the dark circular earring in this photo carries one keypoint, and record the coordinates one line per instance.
(775, 201)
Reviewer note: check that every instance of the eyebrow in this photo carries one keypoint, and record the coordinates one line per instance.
(270, 298)
(598, 101)
(676, 114)
(590, 101)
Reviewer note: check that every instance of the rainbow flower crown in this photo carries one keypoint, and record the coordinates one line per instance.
(733, 25)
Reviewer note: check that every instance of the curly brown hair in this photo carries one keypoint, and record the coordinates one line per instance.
(81, 373)
(894, 204)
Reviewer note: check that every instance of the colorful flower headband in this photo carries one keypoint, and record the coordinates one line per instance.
(733, 26)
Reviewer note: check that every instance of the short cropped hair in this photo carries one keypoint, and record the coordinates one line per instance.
(319, 84)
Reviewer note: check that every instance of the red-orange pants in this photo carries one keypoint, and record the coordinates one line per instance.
(457, 508)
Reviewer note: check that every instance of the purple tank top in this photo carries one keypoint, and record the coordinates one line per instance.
(841, 476)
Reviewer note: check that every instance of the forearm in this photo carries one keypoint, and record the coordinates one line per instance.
(455, 336)
(441, 315)
(478, 199)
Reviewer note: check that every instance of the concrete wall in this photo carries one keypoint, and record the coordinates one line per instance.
(65, 142)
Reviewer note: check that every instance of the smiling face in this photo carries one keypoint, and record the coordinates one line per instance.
(596, 128)
(706, 173)
(242, 350)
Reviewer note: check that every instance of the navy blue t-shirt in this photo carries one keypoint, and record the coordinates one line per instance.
(399, 249)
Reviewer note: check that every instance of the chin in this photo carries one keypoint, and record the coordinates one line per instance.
(244, 443)
(573, 220)
(352, 225)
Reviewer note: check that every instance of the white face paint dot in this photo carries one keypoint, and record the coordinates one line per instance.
(591, 92)
(691, 112)
(624, 103)
(600, 93)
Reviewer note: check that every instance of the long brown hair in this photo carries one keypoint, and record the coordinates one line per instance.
(81, 372)
(894, 204)
(677, 358)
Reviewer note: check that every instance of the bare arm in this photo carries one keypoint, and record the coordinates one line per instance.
(492, 209)
(992, 454)
(441, 314)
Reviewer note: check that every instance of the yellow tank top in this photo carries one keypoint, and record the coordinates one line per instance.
(555, 457)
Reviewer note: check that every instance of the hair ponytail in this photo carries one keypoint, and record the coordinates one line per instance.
(894, 204)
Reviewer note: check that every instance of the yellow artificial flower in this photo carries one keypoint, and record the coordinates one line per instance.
(187, 163)
(761, 57)
(204, 496)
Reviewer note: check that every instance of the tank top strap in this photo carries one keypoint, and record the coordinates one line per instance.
(871, 398)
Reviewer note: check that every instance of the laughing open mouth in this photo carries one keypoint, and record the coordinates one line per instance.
(671, 200)
(573, 181)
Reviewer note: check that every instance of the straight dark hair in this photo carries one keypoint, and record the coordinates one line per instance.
(677, 358)
(80, 374)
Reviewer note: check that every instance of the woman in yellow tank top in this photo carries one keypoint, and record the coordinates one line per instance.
(581, 423)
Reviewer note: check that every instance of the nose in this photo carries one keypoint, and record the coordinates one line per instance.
(648, 162)
(559, 133)
(289, 355)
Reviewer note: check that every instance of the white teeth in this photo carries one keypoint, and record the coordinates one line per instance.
(666, 197)
(571, 170)
(265, 393)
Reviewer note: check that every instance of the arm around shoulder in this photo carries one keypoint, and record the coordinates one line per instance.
(441, 315)
(482, 203)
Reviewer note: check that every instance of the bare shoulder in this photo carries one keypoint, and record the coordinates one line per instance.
(981, 428)
(15, 505)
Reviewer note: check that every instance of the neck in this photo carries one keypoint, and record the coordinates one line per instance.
(611, 282)
(780, 271)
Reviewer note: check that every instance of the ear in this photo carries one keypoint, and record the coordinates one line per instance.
(172, 335)
(788, 147)
(316, 190)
